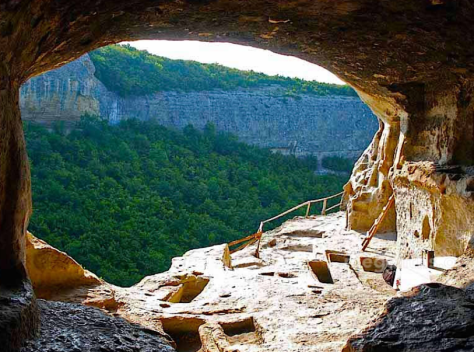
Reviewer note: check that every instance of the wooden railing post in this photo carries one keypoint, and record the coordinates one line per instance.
(257, 236)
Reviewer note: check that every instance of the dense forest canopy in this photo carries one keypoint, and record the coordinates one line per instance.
(128, 71)
(338, 163)
(123, 200)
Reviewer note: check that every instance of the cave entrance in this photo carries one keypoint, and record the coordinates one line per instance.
(354, 38)
(93, 81)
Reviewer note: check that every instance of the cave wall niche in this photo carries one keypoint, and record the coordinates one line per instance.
(431, 185)
(410, 61)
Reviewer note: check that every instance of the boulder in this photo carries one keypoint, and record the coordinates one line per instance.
(432, 317)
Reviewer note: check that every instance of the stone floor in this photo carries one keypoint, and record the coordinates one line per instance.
(312, 289)
(275, 303)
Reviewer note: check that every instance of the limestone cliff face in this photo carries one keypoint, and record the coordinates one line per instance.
(301, 125)
(62, 95)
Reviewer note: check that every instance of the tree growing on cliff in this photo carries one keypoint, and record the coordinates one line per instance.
(128, 71)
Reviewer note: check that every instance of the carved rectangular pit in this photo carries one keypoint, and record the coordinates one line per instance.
(372, 264)
(184, 331)
(238, 327)
(188, 290)
(308, 248)
(241, 331)
(321, 271)
(337, 256)
(306, 233)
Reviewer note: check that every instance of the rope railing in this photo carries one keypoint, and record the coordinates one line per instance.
(258, 235)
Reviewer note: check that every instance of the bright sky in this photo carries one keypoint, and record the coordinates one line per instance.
(238, 56)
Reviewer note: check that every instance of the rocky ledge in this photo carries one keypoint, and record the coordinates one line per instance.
(310, 290)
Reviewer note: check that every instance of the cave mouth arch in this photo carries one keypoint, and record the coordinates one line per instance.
(80, 75)
(385, 51)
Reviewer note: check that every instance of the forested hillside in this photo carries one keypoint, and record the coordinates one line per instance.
(123, 200)
(128, 71)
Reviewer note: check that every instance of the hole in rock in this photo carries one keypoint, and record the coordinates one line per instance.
(470, 185)
(305, 233)
(337, 256)
(267, 273)
(426, 229)
(238, 327)
(298, 248)
(188, 290)
(184, 332)
(241, 332)
(433, 285)
(248, 262)
(416, 234)
(374, 265)
(272, 243)
(321, 270)
(287, 275)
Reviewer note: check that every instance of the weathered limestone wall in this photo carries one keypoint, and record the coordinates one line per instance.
(426, 157)
(435, 199)
(435, 210)
(305, 125)
(63, 95)
(433, 126)
(369, 187)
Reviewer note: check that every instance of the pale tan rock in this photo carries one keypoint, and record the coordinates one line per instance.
(56, 276)
(274, 303)
(214, 339)
(49, 267)
(435, 209)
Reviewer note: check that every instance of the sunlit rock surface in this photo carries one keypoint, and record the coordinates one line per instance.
(58, 277)
(435, 209)
(49, 268)
(275, 303)
(312, 289)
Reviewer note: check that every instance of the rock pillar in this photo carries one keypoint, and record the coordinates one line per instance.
(18, 312)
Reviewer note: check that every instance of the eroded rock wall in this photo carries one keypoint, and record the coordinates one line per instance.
(423, 152)
(434, 182)
(435, 210)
